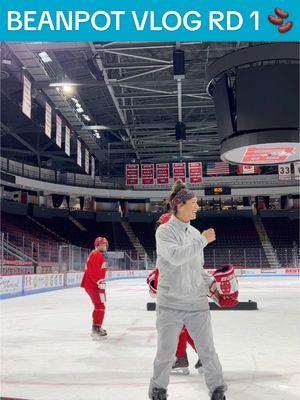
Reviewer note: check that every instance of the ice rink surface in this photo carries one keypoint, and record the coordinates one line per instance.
(47, 352)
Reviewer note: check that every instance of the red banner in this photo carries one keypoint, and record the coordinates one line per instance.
(179, 172)
(147, 174)
(132, 174)
(17, 262)
(195, 172)
(292, 271)
(163, 174)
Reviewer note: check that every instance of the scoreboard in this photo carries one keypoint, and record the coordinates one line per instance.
(217, 190)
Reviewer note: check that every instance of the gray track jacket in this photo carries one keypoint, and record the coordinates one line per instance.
(183, 283)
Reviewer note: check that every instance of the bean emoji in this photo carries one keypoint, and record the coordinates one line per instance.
(275, 20)
(280, 13)
(286, 27)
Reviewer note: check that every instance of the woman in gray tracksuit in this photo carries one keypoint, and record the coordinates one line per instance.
(182, 295)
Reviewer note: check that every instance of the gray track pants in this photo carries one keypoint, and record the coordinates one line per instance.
(198, 323)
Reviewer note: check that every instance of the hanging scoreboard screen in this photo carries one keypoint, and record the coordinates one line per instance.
(217, 190)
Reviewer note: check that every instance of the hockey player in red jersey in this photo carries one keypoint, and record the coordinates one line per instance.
(93, 282)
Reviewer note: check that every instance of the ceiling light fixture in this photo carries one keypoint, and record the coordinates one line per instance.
(61, 84)
(6, 61)
(44, 56)
(68, 90)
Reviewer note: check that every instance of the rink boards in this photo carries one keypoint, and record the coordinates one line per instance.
(22, 285)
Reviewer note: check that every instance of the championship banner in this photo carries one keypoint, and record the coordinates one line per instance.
(79, 154)
(26, 104)
(163, 174)
(48, 122)
(284, 172)
(179, 172)
(297, 170)
(132, 174)
(93, 167)
(87, 161)
(147, 174)
(58, 131)
(195, 172)
(67, 141)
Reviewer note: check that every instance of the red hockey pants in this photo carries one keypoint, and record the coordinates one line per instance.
(184, 338)
(98, 299)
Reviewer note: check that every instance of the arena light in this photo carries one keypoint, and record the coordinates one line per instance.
(97, 134)
(44, 56)
(103, 127)
(68, 90)
(62, 84)
(86, 117)
(97, 127)
(80, 110)
(6, 61)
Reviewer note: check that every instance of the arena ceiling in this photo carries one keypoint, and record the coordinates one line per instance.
(129, 97)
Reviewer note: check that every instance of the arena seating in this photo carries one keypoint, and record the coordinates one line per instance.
(234, 235)
(32, 239)
(237, 239)
(284, 236)
(282, 232)
(113, 231)
(145, 232)
(237, 242)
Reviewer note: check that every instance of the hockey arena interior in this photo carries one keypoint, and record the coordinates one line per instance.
(93, 137)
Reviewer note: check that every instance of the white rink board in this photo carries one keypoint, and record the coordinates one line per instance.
(73, 279)
(38, 283)
(35, 283)
(11, 286)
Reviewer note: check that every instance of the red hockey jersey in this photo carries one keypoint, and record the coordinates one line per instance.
(95, 270)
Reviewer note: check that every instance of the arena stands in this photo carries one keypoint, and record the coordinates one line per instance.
(238, 241)
(284, 236)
